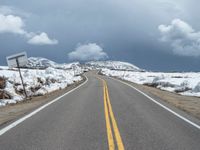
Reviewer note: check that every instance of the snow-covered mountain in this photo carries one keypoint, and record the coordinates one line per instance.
(42, 63)
(113, 65)
(39, 62)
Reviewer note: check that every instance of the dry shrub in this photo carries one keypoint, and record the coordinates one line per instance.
(2, 82)
(4, 95)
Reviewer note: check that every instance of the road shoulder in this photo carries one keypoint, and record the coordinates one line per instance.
(187, 106)
(10, 113)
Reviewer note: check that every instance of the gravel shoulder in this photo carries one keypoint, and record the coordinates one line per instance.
(12, 112)
(188, 104)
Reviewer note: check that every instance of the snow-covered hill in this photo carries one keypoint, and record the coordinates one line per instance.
(114, 65)
(39, 62)
(42, 63)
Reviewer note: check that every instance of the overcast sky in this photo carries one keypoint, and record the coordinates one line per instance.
(161, 35)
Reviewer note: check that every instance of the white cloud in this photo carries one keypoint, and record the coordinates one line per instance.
(182, 37)
(88, 52)
(11, 24)
(42, 39)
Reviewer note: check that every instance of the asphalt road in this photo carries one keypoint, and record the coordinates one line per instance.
(100, 115)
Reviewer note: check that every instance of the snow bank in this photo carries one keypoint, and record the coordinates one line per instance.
(182, 83)
(37, 82)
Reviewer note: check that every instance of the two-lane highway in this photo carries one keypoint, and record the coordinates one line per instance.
(102, 114)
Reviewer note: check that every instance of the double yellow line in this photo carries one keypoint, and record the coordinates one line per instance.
(111, 123)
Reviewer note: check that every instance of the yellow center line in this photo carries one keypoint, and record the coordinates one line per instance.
(109, 114)
(120, 144)
(108, 126)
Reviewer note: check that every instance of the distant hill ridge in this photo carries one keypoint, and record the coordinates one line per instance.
(115, 65)
(41, 63)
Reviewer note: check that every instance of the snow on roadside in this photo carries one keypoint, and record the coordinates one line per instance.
(38, 82)
(187, 83)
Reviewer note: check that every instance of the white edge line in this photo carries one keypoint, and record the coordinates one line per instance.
(161, 105)
(12, 125)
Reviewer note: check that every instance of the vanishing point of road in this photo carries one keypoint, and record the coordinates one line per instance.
(102, 114)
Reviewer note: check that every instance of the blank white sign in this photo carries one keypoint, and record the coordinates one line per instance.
(12, 60)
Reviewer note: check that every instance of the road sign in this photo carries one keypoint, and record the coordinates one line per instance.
(20, 57)
(18, 60)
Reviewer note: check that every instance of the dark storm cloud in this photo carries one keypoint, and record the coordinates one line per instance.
(126, 29)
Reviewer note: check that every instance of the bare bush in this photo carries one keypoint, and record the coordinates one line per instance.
(2, 83)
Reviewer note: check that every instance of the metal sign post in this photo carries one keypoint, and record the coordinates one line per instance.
(18, 60)
(21, 78)
(74, 69)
